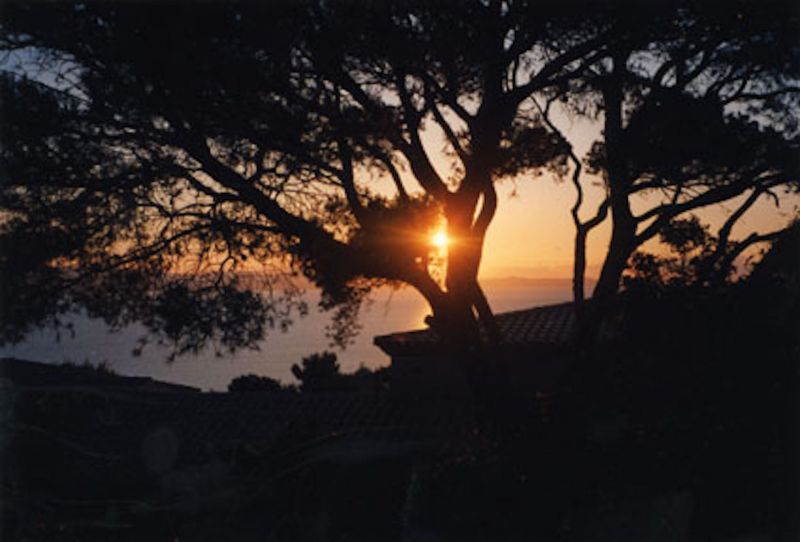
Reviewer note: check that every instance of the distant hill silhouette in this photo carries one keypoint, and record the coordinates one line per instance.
(34, 373)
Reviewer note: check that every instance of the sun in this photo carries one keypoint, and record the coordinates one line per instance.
(440, 239)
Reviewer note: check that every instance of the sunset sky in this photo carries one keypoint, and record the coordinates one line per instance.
(532, 233)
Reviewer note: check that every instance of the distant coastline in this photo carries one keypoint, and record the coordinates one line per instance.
(517, 281)
(391, 310)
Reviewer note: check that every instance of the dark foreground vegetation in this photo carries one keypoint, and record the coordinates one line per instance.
(686, 429)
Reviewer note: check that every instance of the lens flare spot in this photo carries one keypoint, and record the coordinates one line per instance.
(440, 239)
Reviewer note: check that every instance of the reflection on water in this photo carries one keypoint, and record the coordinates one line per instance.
(390, 311)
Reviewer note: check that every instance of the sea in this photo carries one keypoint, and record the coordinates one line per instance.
(389, 311)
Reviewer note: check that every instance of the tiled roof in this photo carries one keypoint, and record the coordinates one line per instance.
(77, 452)
(115, 424)
(152, 451)
(551, 325)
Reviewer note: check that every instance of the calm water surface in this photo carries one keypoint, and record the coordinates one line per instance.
(390, 312)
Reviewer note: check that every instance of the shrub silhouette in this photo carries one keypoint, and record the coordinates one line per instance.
(318, 372)
(252, 382)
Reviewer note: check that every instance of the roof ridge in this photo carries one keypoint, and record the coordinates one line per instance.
(545, 324)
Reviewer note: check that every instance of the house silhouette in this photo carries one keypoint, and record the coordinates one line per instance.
(536, 346)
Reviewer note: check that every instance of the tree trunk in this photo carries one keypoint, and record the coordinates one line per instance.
(579, 268)
(486, 317)
(463, 261)
(623, 224)
(620, 249)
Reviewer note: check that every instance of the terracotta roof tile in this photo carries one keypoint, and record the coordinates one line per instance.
(262, 420)
(549, 325)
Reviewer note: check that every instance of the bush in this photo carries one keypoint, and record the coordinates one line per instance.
(253, 382)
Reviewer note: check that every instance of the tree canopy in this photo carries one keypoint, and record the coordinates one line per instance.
(160, 149)
(152, 154)
(698, 107)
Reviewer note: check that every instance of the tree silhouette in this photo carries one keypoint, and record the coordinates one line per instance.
(256, 383)
(318, 372)
(698, 107)
(152, 153)
(689, 263)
